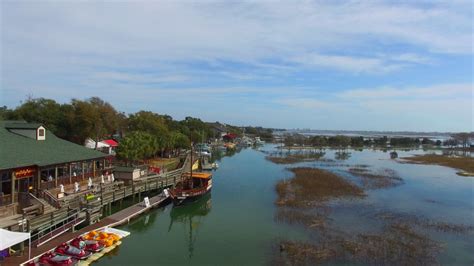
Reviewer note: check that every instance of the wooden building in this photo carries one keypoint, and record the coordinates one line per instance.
(32, 159)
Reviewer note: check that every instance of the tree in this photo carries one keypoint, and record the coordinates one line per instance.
(339, 141)
(41, 110)
(451, 143)
(463, 138)
(426, 141)
(357, 141)
(147, 122)
(8, 114)
(136, 146)
(318, 141)
(179, 140)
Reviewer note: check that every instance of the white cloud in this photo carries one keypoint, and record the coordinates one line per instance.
(411, 58)
(143, 51)
(248, 32)
(305, 103)
(346, 63)
(442, 107)
(443, 91)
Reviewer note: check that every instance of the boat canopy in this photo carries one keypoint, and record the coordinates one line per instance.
(199, 175)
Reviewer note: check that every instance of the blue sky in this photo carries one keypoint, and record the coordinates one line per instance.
(368, 65)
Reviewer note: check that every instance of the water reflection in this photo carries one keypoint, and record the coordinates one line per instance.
(191, 216)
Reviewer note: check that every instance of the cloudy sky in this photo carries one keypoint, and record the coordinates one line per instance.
(368, 65)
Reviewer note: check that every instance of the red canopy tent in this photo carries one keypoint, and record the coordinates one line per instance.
(111, 142)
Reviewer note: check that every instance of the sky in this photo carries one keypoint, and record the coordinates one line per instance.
(337, 65)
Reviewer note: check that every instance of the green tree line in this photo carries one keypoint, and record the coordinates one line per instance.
(143, 134)
(341, 141)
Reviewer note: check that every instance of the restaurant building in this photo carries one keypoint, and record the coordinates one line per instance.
(33, 159)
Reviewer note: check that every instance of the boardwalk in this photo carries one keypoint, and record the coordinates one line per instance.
(115, 219)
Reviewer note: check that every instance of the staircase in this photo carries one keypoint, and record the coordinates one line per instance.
(48, 208)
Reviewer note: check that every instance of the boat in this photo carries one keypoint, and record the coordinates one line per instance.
(83, 250)
(71, 251)
(193, 186)
(208, 166)
(50, 258)
(87, 245)
(258, 141)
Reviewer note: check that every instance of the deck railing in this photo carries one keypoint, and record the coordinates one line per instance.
(35, 201)
(51, 199)
(57, 228)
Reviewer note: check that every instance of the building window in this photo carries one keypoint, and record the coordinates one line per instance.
(41, 132)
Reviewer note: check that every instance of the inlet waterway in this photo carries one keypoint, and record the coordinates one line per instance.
(235, 224)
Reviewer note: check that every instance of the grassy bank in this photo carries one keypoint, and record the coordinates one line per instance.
(462, 163)
(295, 158)
(311, 186)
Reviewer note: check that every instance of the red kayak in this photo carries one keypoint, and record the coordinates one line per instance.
(88, 245)
(72, 251)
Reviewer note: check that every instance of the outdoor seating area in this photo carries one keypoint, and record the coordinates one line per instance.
(81, 186)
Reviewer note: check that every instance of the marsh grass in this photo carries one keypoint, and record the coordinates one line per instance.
(283, 160)
(311, 220)
(397, 244)
(312, 186)
(379, 179)
(296, 157)
(423, 222)
(462, 163)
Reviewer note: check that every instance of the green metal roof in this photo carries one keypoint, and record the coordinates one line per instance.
(17, 150)
(21, 125)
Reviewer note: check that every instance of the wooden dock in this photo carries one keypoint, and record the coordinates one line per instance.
(131, 212)
(115, 219)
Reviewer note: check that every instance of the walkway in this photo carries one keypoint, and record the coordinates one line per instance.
(115, 219)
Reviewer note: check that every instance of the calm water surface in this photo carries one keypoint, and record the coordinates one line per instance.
(235, 224)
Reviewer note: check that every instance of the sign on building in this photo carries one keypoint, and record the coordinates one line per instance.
(25, 172)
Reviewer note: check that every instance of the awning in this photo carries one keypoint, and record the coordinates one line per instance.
(110, 142)
(9, 238)
(90, 143)
(198, 175)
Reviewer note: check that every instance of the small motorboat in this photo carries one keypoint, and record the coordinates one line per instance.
(72, 251)
(51, 258)
(88, 245)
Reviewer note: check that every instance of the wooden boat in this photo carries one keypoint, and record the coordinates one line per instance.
(193, 186)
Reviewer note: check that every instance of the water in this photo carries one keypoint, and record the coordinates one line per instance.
(235, 225)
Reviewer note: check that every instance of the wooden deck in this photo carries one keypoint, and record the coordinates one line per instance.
(125, 215)
(115, 219)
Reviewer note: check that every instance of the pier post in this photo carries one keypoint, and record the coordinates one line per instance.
(70, 173)
(56, 176)
(133, 191)
(101, 195)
